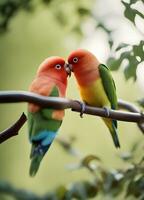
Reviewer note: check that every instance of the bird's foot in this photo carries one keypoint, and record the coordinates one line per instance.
(107, 111)
(83, 105)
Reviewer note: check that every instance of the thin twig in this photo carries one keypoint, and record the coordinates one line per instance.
(13, 130)
(132, 108)
(62, 103)
(128, 106)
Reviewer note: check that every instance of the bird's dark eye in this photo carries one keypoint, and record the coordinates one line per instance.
(58, 66)
(75, 59)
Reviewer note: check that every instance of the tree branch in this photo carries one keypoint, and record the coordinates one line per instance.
(13, 130)
(132, 108)
(62, 103)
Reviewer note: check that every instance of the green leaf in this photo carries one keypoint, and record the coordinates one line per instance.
(103, 26)
(131, 13)
(92, 188)
(86, 162)
(67, 144)
(121, 45)
(61, 191)
(133, 1)
(83, 11)
(130, 69)
(111, 42)
(133, 57)
(139, 50)
(114, 64)
(136, 188)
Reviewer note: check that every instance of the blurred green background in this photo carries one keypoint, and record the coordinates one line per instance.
(31, 38)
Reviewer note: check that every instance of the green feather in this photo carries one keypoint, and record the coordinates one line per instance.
(109, 85)
(110, 89)
(37, 122)
(43, 119)
(35, 163)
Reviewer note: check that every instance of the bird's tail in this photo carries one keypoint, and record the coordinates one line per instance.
(112, 125)
(40, 145)
(37, 153)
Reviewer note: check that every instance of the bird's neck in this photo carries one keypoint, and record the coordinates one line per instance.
(54, 78)
(87, 77)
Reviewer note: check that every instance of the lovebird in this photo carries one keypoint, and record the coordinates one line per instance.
(44, 123)
(96, 85)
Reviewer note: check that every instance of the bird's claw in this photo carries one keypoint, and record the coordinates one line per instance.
(83, 105)
(107, 111)
(82, 109)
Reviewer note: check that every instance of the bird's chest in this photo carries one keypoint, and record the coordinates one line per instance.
(94, 94)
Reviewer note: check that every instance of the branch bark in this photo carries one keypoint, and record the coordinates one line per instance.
(62, 103)
(13, 130)
(132, 108)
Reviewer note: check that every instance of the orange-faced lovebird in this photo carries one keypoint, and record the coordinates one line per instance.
(96, 85)
(44, 123)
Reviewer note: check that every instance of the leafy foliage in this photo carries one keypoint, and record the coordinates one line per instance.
(128, 59)
(131, 13)
(109, 32)
(134, 57)
(130, 56)
(105, 182)
(9, 8)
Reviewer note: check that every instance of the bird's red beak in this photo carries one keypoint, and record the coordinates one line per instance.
(68, 68)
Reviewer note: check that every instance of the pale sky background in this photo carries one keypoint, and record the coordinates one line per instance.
(124, 31)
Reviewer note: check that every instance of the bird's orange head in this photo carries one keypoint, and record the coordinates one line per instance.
(53, 67)
(82, 60)
(84, 65)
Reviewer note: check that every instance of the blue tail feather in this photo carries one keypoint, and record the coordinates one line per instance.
(40, 145)
(115, 134)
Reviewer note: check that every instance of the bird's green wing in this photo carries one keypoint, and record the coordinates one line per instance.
(109, 85)
(43, 119)
(42, 131)
(47, 112)
(110, 89)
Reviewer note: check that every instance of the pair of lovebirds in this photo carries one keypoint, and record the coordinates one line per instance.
(96, 87)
